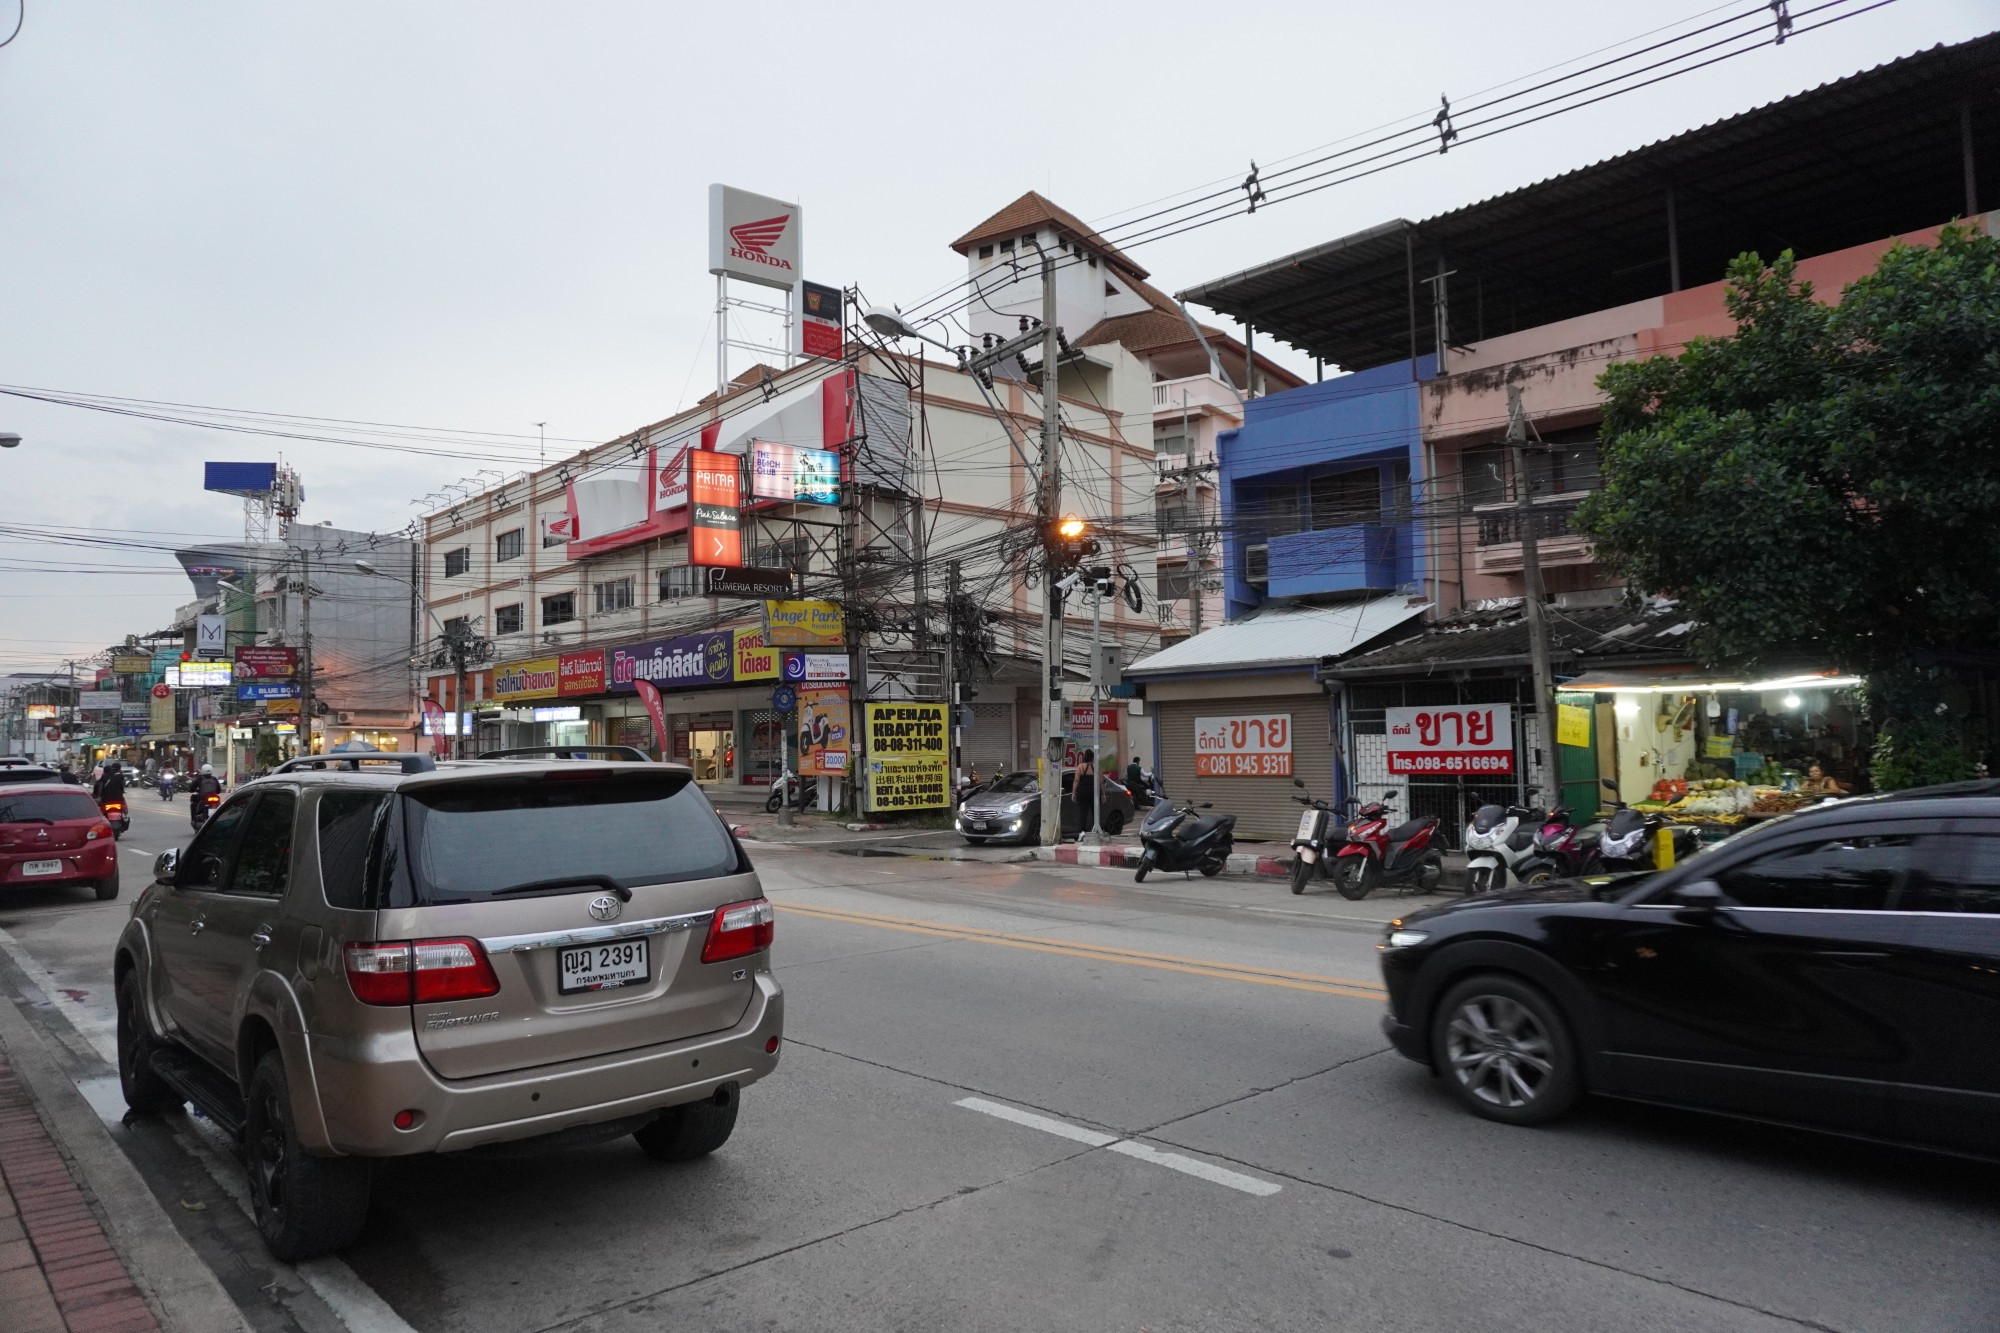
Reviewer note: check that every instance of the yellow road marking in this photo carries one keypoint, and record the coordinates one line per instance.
(1200, 967)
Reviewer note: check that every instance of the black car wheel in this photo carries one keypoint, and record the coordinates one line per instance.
(1505, 1051)
(107, 888)
(1302, 873)
(145, 1091)
(305, 1206)
(1114, 822)
(683, 1133)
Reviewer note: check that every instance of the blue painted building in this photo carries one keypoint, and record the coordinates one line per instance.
(1321, 489)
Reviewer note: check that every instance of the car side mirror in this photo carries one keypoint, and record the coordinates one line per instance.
(1608, 785)
(165, 864)
(1701, 896)
(1208, 805)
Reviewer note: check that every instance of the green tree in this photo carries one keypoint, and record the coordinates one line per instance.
(1825, 483)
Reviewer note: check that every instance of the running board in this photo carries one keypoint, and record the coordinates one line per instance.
(215, 1095)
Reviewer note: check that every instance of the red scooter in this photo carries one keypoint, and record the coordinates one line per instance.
(116, 816)
(1407, 856)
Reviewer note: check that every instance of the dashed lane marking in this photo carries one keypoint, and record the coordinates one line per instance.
(1173, 1161)
(1200, 967)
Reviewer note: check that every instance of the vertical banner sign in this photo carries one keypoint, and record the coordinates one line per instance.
(825, 720)
(1257, 745)
(1472, 738)
(649, 694)
(822, 322)
(434, 723)
(715, 488)
(210, 638)
(907, 757)
(1573, 725)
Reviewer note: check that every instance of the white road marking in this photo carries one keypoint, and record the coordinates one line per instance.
(352, 1301)
(1173, 1161)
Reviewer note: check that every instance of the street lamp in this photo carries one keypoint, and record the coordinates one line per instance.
(891, 324)
(9, 440)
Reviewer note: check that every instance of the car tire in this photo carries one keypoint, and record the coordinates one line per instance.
(1114, 823)
(145, 1091)
(683, 1133)
(106, 889)
(1504, 1050)
(305, 1206)
(1302, 873)
(1351, 878)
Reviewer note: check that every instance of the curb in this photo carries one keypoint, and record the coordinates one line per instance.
(1118, 857)
(162, 1264)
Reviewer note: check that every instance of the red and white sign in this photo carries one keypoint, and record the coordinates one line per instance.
(715, 484)
(558, 525)
(1458, 739)
(670, 479)
(1080, 719)
(1254, 745)
(163, 691)
(753, 237)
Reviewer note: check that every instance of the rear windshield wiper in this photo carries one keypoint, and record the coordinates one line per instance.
(572, 882)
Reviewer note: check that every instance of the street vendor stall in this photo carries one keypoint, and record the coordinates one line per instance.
(1717, 752)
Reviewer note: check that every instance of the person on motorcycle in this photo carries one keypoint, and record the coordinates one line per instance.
(1135, 779)
(204, 786)
(111, 785)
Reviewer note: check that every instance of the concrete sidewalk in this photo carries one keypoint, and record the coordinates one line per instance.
(84, 1246)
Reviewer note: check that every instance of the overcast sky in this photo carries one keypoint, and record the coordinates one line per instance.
(478, 216)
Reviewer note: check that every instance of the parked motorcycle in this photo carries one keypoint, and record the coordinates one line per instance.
(1411, 855)
(117, 816)
(201, 807)
(1499, 838)
(1561, 851)
(785, 791)
(1176, 838)
(1322, 832)
(1628, 841)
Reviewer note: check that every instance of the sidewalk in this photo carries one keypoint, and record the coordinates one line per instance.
(58, 1271)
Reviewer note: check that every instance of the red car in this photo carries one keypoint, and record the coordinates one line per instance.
(53, 833)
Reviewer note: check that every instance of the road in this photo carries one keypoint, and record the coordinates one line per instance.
(1020, 1096)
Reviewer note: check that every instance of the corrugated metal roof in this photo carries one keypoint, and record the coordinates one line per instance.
(1282, 636)
(1871, 155)
(1657, 632)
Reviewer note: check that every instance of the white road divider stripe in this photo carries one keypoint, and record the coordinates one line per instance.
(1173, 1161)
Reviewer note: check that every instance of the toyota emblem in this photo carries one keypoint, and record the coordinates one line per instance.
(605, 908)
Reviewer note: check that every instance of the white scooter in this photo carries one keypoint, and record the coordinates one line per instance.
(1498, 839)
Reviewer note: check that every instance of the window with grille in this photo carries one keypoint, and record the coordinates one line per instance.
(1171, 442)
(1281, 511)
(559, 609)
(507, 619)
(678, 581)
(791, 553)
(1344, 499)
(457, 561)
(614, 595)
(1174, 584)
(1173, 516)
(507, 546)
(457, 629)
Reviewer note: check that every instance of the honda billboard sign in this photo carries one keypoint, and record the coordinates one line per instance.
(752, 237)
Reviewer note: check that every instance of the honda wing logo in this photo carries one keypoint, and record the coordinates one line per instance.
(753, 240)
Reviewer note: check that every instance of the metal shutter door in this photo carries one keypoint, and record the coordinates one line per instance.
(1263, 806)
(988, 744)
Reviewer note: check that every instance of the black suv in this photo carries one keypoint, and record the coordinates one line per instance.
(1838, 968)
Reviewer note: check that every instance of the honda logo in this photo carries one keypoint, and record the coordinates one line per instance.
(753, 240)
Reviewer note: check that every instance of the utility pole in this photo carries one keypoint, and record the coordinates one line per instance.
(1531, 575)
(306, 653)
(951, 596)
(460, 646)
(1047, 503)
(1097, 587)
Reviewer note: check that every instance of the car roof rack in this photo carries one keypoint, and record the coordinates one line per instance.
(352, 763)
(627, 752)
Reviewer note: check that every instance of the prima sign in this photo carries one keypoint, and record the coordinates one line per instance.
(753, 237)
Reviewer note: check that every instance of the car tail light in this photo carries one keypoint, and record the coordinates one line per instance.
(99, 831)
(420, 971)
(740, 929)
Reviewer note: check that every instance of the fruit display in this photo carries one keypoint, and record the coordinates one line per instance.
(1718, 799)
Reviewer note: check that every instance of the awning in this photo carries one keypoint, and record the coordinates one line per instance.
(1697, 682)
(1282, 636)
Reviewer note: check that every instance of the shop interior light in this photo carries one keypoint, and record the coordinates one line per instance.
(1626, 708)
(1791, 701)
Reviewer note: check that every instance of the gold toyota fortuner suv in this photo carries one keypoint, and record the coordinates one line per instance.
(372, 957)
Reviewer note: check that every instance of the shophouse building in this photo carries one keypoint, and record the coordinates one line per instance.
(1391, 486)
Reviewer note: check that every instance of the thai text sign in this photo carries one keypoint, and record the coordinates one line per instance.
(581, 673)
(536, 678)
(98, 701)
(688, 661)
(754, 661)
(907, 752)
(1257, 745)
(131, 664)
(804, 624)
(267, 663)
(1463, 738)
(194, 675)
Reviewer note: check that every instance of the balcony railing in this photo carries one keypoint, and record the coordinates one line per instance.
(1553, 518)
(1198, 391)
(1499, 526)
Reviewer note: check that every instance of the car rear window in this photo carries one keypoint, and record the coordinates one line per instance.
(29, 775)
(346, 831)
(475, 840)
(23, 807)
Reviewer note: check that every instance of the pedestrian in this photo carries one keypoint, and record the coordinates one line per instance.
(1085, 788)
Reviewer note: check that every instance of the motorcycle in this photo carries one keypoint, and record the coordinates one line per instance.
(1560, 851)
(167, 787)
(785, 790)
(1175, 838)
(1322, 832)
(200, 807)
(1409, 855)
(116, 815)
(1628, 841)
(1498, 839)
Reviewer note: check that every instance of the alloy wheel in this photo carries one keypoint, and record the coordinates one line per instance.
(266, 1143)
(1499, 1051)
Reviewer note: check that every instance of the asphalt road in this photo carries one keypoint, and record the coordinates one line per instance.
(1181, 1117)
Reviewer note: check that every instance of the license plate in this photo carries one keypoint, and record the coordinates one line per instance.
(42, 868)
(1308, 824)
(601, 966)
(976, 823)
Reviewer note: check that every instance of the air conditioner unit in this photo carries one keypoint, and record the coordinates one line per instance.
(1257, 563)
